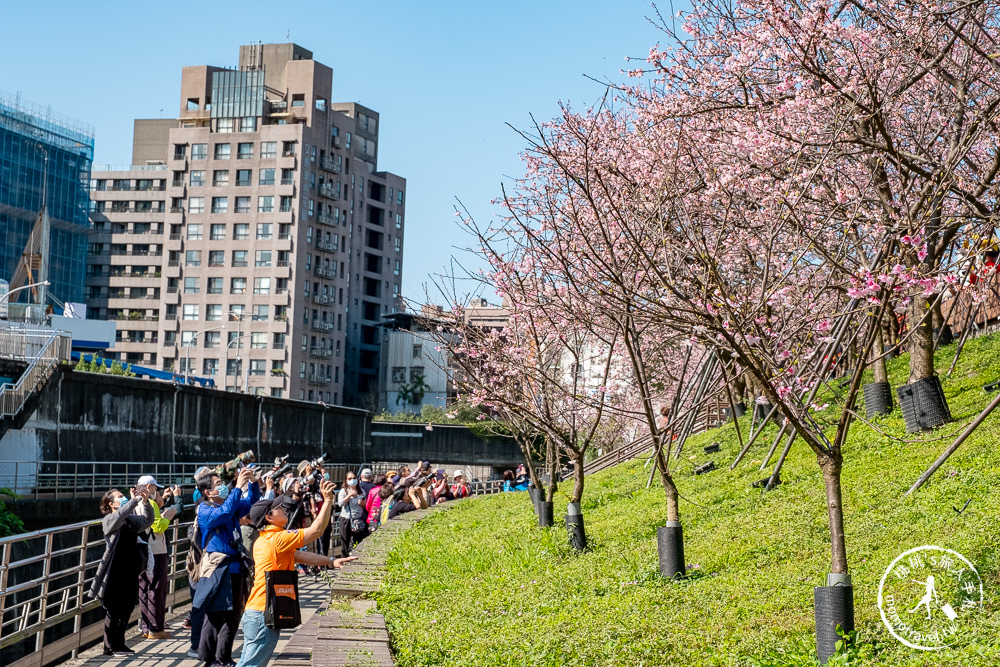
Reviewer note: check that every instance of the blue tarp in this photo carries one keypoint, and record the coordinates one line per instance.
(142, 371)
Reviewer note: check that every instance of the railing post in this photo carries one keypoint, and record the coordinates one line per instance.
(81, 579)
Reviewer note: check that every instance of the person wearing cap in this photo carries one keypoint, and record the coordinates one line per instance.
(277, 548)
(153, 583)
(440, 490)
(460, 489)
(365, 482)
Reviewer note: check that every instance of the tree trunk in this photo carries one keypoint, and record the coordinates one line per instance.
(669, 489)
(921, 340)
(878, 365)
(831, 467)
(577, 478)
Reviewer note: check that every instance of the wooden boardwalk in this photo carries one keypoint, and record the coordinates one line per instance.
(339, 631)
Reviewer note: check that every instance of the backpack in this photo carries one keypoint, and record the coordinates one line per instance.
(384, 512)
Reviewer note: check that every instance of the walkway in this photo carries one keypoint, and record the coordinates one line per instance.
(349, 633)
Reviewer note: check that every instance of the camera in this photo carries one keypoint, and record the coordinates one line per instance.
(227, 471)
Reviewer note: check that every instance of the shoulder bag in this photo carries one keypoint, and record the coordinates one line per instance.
(281, 601)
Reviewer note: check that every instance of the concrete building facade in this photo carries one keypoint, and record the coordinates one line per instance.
(254, 239)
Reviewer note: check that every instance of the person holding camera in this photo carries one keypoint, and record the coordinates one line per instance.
(153, 584)
(116, 583)
(221, 585)
(277, 548)
(353, 517)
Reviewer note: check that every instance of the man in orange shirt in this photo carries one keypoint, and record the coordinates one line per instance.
(278, 549)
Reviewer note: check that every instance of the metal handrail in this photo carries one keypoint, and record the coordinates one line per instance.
(51, 348)
(90, 479)
(44, 579)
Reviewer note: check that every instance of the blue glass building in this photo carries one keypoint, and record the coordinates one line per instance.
(35, 145)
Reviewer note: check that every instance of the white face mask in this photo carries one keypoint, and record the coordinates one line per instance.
(223, 491)
(352, 482)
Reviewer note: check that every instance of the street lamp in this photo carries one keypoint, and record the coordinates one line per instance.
(5, 297)
(246, 381)
(187, 364)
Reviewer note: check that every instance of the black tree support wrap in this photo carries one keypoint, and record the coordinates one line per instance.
(670, 544)
(739, 409)
(545, 514)
(574, 527)
(923, 404)
(535, 496)
(878, 399)
(834, 607)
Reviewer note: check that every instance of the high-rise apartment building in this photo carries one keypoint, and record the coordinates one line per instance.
(254, 240)
(42, 152)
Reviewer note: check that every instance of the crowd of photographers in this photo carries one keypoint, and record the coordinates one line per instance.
(248, 522)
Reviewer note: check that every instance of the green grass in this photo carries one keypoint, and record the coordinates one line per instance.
(483, 585)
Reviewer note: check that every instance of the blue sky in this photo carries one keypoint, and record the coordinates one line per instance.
(445, 77)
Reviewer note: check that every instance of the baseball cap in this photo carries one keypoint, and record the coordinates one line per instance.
(425, 465)
(366, 472)
(259, 510)
(148, 479)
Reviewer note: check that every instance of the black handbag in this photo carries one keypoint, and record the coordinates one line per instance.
(281, 599)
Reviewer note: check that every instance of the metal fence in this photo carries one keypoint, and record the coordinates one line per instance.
(89, 479)
(45, 614)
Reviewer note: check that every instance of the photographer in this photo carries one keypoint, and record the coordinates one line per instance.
(277, 549)
(116, 583)
(407, 499)
(353, 517)
(221, 586)
(153, 584)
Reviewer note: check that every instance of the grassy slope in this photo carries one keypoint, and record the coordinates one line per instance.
(483, 585)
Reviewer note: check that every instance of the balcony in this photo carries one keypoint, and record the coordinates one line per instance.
(324, 272)
(328, 191)
(325, 245)
(319, 352)
(330, 165)
(320, 325)
(315, 378)
(327, 219)
(322, 299)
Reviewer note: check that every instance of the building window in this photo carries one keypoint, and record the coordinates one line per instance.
(416, 373)
(267, 176)
(194, 232)
(222, 151)
(220, 204)
(265, 204)
(220, 178)
(278, 343)
(213, 312)
(288, 148)
(268, 149)
(213, 338)
(210, 367)
(259, 313)
(263, 258)
(223, 125)
(196, 205)
(258, 366)
(418, 350)
(286, 204)
(190, 311)
(215, 284)
(180, 150)
(244, 150)
(239, 258)
(216, 232)
(238, 286)
(264, 230)
(170, 338)
(399, 198)
(192, 258)
(243, 204)
(241, 231)
(298, 100)
(258, 340)
(216, 258)
(248, 124)
(398, 374)
(199, 151)
(191, 286)
(261, 285)
(244, 177)
(197, 178)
